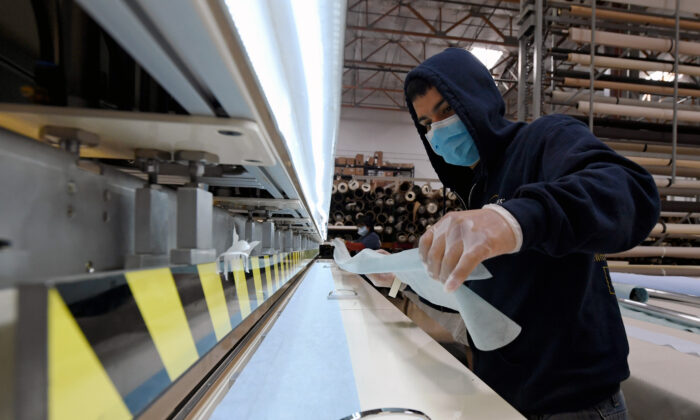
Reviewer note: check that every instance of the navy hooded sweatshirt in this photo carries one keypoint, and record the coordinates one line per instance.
(575, 199)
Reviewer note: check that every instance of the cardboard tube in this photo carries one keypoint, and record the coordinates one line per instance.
(632, 87)
(627, 63)
(679, 184)
(663, 270)
(659, 251)
(650, 148)
(612, 39)
(645, 161)
(564, 98)
(638, 111)
(634, 18)
(672, 229)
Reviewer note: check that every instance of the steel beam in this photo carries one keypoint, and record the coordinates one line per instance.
(430, 35)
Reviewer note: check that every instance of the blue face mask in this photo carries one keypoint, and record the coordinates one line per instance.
(450, 139)
(362, 231)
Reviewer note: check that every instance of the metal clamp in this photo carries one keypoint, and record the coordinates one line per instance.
(346, 294)
(386, 412)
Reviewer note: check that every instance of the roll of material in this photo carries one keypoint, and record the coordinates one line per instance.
(632, 87)
(676, 284)
(643, 147)
(631, 292)
(645, 161)
(354, 185)
(638, 111)
(334, 189)
(612, 39)
(366, 187)
(426, 190)
(674, 228)
(682, 318)
(629, 17)
(663, 270)
(432, 207)
(674, 297)
(659, 251)
(410, 196)
(627, 63)
(568, 98)
(342, 187)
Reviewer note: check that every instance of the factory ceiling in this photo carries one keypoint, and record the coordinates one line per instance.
(384, 39)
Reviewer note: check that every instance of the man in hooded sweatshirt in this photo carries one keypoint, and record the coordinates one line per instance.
(543, 203)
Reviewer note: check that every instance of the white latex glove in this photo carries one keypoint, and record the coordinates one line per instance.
(382, 279)
(458, 242)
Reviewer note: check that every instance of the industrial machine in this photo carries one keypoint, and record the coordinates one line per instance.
(138, 140)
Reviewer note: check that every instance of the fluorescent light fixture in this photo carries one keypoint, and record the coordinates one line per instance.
(487, 56)
(296, 49)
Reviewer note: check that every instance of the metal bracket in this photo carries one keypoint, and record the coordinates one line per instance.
(69, 139)
(342, 294)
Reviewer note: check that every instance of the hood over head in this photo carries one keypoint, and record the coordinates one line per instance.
(468, 87)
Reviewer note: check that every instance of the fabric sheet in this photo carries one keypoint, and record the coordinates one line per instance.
(683, 346)
(675, 284)
(303, 368)
(489, 328)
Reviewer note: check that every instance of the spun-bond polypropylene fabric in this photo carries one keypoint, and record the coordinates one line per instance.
(489, 328)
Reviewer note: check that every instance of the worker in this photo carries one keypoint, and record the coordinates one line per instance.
(543, 203)
(368, 237)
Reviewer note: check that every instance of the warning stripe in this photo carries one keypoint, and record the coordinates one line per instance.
(161, 308)
(268, 276)
(277, 274)
(216, 301)
(257, 281)
(177, 314)
(241, 287)
(79, 387)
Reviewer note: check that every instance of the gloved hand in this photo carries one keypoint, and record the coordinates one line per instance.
(458, 242)
(382, 279)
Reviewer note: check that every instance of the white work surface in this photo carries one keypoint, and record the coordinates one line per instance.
(396, 364)
(664, 383)
(392, 361)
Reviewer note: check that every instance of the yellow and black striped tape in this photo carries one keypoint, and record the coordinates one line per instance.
(115, 343)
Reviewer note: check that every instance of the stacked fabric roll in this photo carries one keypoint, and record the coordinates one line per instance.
(399, 213)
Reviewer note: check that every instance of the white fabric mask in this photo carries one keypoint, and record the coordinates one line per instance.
(490, 328)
